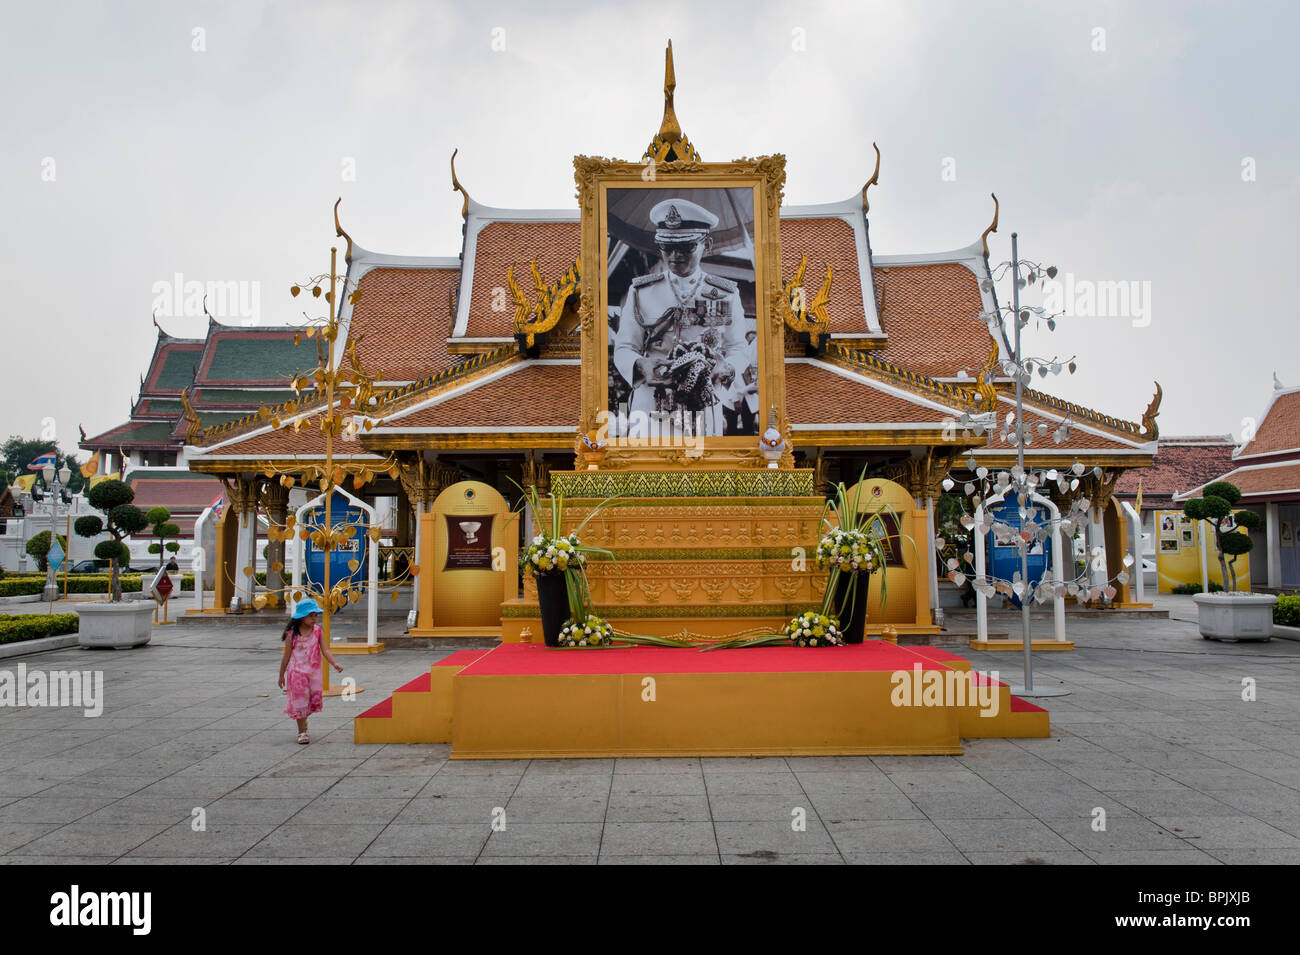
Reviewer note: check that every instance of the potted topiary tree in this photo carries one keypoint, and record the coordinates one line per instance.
(1230, 615)
(159, 517)
(116, 623)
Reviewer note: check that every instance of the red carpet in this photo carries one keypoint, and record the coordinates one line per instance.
(461, 658)
(516, 659)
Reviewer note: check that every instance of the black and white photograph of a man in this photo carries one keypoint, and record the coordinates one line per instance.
(683, 333)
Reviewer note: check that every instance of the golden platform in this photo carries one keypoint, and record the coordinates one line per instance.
(520, 701)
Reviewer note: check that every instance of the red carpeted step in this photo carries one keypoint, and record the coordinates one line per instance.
(1024, 706)
(380, 711)
(421, 684)
(461, 658)
(936, 653)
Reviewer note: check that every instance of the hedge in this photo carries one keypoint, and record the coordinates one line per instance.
(30, 626)
(1286, 612)
(79, 584)
(1196, 588)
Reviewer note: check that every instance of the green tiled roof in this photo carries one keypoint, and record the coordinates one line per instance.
(178, 369)
(160, 406)
(260, 359)
(251, 398)
(149, 432)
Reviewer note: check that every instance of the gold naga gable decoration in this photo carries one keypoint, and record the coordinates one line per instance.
(801, 316)
(531, 319)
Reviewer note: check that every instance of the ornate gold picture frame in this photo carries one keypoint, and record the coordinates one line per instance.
(683, 202)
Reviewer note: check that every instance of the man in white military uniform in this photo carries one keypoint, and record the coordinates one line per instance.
(682, 306)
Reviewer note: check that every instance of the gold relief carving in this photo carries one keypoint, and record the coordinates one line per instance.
(683, 588)
(532, 320)
(714, 587)
(746, 588)
(652, 590)
(660, 537)
(787, 587)
(621, 589)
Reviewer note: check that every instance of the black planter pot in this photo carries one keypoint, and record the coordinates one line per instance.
(853, 618)
(553, 599)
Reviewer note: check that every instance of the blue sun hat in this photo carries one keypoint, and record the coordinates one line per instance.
(305, 607)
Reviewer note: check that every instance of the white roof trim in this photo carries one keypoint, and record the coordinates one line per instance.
(972, 257)
(363, 261)
(478, 218)
(850, 211)
(1076, 424)
(1184, 495)
(1272, 399)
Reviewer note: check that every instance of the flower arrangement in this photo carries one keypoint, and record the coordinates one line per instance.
(591, 632)
(554, 555)
(850, 550)
(813, 629)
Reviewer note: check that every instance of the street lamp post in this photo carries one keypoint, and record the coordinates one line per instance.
(54, 482)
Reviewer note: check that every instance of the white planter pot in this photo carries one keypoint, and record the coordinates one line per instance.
(116, 625)
(1235, 616)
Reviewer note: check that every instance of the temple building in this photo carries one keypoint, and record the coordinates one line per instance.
(1266, 469)
(479, 360)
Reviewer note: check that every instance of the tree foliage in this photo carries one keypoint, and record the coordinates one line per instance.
(121, 520)
(1215, 505)
(18, 452)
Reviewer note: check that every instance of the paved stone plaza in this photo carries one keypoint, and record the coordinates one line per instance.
(1155, 733)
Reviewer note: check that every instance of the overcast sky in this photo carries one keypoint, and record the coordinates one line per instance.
(1147, 143)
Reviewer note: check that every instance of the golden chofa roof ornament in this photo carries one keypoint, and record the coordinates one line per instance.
(670, 143)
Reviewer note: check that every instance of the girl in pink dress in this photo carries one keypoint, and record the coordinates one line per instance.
(304, 645)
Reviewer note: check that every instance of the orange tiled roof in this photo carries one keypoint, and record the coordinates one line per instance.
(827, 242)
(405, 317)
(930, 317)
(503, 244)
(533, 396)
(1280, 429)
(287, 442)
(1263, 480)
(1079, 440)
(818, 396)
(1177, 467)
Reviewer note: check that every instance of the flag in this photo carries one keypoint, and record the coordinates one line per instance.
(216, 505)
(55, 554)
(91, 467)
(49, 457)
(1138, 508)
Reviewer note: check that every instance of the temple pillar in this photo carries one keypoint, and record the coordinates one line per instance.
(275, 498)
(421, 482)
(243, 503)
(1273, 542)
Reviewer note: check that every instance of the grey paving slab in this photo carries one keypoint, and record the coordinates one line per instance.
(545, 839)
(299, 840)
(691, 807)
(217, 841)
(410, 840)
(658, 838)
(1154, 732)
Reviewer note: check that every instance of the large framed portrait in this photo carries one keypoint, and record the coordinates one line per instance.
(682, 351)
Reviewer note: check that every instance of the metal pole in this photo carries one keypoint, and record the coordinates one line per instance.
(1020, 463)
(52, 585)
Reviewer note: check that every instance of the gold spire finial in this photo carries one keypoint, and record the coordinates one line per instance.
(670, 143)
(339, 231)
(993, 226)
(873, 181)
(457, 187)
(670, 131)
(1151, 430)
